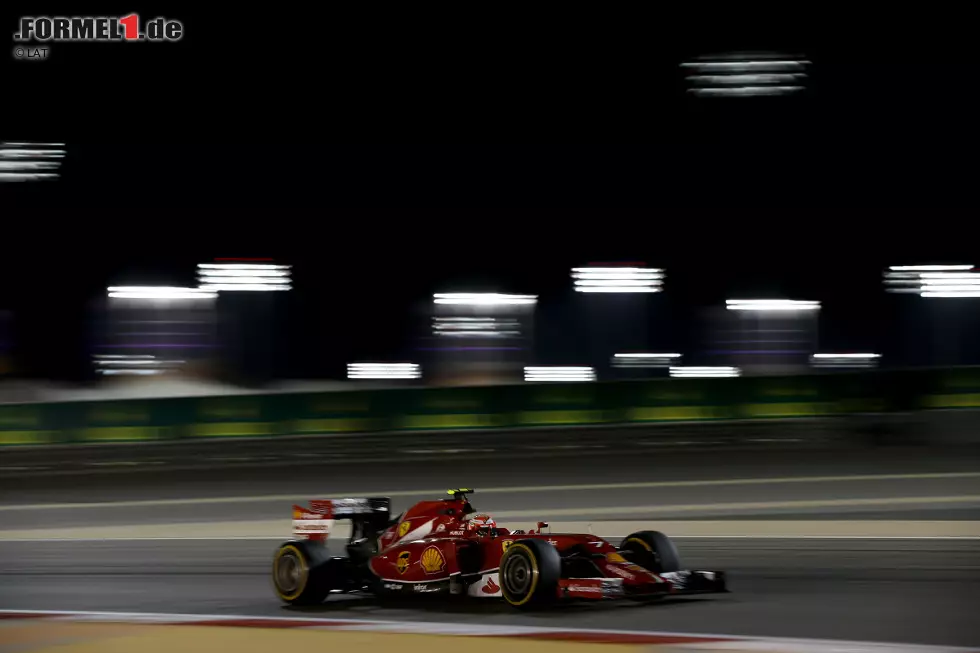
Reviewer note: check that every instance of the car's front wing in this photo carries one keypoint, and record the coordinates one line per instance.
(696, 582)
(672, 583)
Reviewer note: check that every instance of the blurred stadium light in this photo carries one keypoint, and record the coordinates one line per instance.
(618, 279)
(858, 360)
(384, 371)
(479, 337)
(940, 281)
(475, 327)
(693, 372)
(483, 299)
(159, 292)
(30, 161)
(644, 360)
(559, 374)
(136, 365)
(770, 336)
(152, 330)
(929, 268)
(762, 305)
(746, 74)
(243, 277)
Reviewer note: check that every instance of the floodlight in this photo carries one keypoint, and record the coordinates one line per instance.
(559, 374)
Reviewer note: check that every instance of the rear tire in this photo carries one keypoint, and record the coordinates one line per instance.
(529, 574)
(302, 573)
(652, 550)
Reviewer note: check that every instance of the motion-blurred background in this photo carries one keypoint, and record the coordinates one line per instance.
(758, 163)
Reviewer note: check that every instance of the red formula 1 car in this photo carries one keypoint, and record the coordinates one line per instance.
(443, 547)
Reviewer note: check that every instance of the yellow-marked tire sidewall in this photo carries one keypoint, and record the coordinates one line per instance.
(640, 542)
(304, 565)
(516, 549)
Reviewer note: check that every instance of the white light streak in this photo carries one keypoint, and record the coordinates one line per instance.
(771, 305)
(645, 355)
(693, 372)
(951, 295)
(924, 268)
(741, 75)
(846, 355)
(618, 279)
(844, 360)
(244, 277)
(30, 161)
(383, 371)
(483, 299)
(558, 374)
(943, 281)
(638, 360)
(159, 292)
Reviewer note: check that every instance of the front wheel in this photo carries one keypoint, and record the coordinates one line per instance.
(300, 573)
(652, 550)
(529, 574)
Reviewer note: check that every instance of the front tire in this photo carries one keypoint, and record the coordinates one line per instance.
(300, 573)
(529, 574)
(652, 550)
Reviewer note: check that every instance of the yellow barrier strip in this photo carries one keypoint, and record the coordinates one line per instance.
(450, 421)
(120, 433)
(26, 437)
(232, 429)
(672, 413)
(788, 409)
(952, 401)
(562, 417)
(334, 425)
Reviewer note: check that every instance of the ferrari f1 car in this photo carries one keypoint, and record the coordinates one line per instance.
(443, 547)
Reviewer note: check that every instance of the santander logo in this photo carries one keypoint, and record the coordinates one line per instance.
(491, 587)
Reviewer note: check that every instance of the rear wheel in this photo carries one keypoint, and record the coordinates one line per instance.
(301, 573)
(529, 574)
(652, 550)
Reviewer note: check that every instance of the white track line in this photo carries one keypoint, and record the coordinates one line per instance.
(743, 505)
(499, 490)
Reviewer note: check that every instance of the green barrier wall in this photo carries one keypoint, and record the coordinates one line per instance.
(31, 424)
(679, 400)
(451, 408)
(518, 406)
(958, 388)
(335, 412)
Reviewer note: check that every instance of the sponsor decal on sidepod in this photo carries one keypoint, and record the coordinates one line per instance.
(432, 560)
(402, 564)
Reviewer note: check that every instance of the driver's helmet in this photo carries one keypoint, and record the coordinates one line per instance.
(477, 522)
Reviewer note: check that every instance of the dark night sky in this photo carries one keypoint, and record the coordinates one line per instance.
(392, 162)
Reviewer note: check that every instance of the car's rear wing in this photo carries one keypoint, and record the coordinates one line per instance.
(316, 521)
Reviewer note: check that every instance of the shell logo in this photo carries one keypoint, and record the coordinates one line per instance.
(432, 560)
(403, 528)
(614, 557)
(402, 564)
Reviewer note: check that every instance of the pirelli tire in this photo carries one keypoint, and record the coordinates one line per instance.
(651, 550)
(529, 574)
(303, 573)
